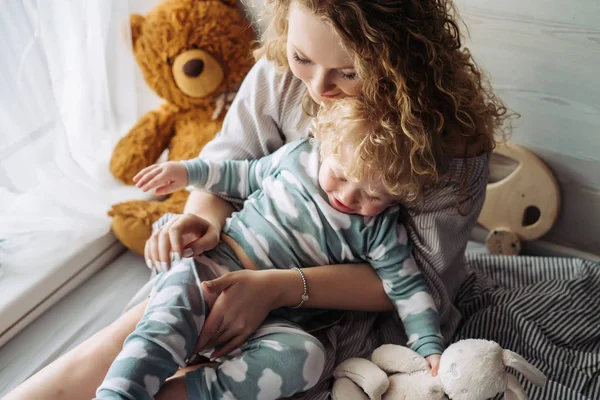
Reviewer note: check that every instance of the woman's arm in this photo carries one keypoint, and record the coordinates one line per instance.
(342, 287)
(247, 296)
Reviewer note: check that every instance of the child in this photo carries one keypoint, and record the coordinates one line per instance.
(312, 202)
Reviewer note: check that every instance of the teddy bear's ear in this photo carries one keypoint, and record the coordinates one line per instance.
(135, 22)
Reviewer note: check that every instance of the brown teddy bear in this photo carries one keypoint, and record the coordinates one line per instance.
(194, 54)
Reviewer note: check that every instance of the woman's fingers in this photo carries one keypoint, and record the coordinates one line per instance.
(224, 335)
(167, 234)
(153, 250)
(164, 248)
(219, 284)
(147, 255)
(231, 345)
(176, 241)
(209, 330)
(221, 336)
(187, 228)
(170, 240)
(208, 240)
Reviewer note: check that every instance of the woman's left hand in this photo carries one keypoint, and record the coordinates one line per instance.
(246, 299)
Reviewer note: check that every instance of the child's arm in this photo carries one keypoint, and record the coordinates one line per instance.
(391, 257)
(234, 178)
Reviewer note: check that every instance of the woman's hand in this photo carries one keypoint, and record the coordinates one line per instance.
(163, 178)
(185, 235)
(434, 363)
(246, 299)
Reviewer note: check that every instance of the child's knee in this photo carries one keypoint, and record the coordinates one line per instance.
(270, 367)
(315, 362)
(299, 358)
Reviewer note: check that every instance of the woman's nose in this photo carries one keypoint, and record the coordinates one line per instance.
(321, 82)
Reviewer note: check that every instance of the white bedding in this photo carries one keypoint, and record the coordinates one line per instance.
(85, 311)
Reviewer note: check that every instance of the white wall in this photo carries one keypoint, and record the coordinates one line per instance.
(544, 60)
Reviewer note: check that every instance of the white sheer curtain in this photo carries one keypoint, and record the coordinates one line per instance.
(67, 93)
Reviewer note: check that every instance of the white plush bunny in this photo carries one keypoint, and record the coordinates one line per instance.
(471, 369)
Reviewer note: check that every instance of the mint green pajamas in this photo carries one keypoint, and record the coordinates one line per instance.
(278, 361)
(286, 222)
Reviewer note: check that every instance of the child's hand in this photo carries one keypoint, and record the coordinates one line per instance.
(434, 363)
(164, 178)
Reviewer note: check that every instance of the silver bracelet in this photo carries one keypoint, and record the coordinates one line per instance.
(304, 297)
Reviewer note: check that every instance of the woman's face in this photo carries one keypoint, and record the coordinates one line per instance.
(315, 55)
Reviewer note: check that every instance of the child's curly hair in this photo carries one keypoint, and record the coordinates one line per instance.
(345, 127)
(416, 77)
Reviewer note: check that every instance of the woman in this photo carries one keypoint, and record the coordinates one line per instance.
(403, 59)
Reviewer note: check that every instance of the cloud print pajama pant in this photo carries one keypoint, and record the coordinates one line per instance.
(278, 361)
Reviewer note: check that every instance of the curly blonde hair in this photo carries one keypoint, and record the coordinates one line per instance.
(346, 131)
(416, 77)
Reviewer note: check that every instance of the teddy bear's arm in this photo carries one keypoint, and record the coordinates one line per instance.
(143, 144)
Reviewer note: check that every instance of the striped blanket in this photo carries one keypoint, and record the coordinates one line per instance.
(546, 309)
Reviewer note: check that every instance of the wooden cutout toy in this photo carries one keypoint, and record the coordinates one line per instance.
(522, 206)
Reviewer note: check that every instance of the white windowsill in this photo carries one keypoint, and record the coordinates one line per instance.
(25, 296)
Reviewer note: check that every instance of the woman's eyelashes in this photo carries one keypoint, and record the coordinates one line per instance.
(303, 61)
(350, 77)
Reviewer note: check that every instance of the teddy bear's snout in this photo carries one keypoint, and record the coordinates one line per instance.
(193, 67)
(197, 73)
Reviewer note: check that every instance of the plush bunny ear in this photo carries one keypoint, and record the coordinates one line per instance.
(373, 381)
(514, 390)
(513, 360)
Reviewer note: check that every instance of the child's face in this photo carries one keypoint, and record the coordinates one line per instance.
(351, 197)
(316, 56)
